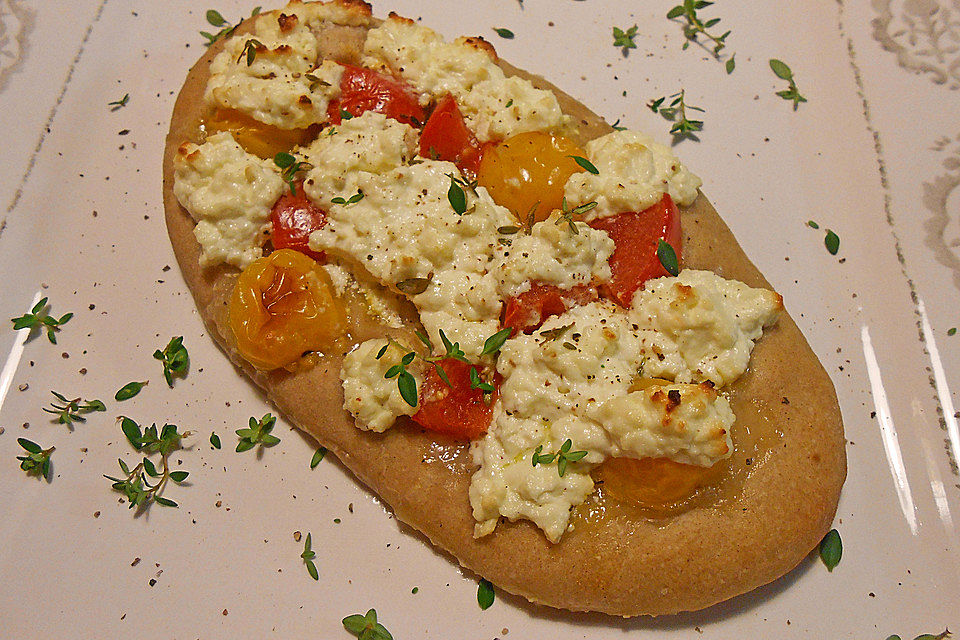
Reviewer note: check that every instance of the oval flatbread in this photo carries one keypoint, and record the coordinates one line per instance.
(621, 562)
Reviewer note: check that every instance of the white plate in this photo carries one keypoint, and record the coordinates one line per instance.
(84, 226)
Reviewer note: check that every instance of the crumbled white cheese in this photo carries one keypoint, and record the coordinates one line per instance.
(709, 325)
(633, 174)
(383, 306)
(468, 71)
(404, 226)
(571, 387)
(553, 254)
(373, 400)
(274, 87)
(317, 15)
(229, 192)
(687, 423)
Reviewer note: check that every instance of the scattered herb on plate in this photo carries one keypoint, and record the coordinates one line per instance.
(791, 93)
(39, 318)
(119, 104)
(130, 390)
(485, 594)
(504, 33)
(175, 359)
(695, 26)
(136, 482)
(952, 331)
(616, 126)
(624, 39)
(37, 460)
(214, 440)
(309, 555)
(317, 457)
(676, 112)
(831, 549)
(257, 433)
(832, 242)
(215, 19)
(366, 627)
(70, 411)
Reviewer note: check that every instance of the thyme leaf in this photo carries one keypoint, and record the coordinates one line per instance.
(38, 318)
(676, 112)
(37, 460)
(257, 433)
(175, 360)
(791, 93)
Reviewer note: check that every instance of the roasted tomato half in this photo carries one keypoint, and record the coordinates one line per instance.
(636, 237)
(446, 137)
(455, 410)
(527, 311)
(283, 306)
(368, 90)
(293, 218)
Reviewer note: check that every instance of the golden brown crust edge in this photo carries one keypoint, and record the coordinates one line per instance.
(634, 567)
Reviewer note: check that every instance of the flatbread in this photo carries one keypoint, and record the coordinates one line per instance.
(623, 563)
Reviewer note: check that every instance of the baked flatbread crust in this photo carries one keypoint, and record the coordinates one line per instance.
(623, 564)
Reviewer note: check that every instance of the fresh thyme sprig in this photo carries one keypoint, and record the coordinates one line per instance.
(309, 555)
(355, 198)
(70, 411)
(566, 214)
(563, 456)
(119, 104)
(290, 167)
(175, 359)
(215, 19)
(366, 627)
(136, 483)
(791, 93)
(676, 112)
(624, 39)
(696, 27)
(407, 384)
(250, 51)
(37, 460)
(257, 433)
(39, 318)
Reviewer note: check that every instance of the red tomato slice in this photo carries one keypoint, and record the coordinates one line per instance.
(527, 311)
(635, 237)
(293, 217)
(368, 90)
(446, 137)
(460, 411)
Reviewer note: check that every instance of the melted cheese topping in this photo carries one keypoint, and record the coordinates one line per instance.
(467, 69)
(229, 192)
(633, 174)
(274, 88)
(404, 226)
(709, 325)
(553, 254)
(368, 395)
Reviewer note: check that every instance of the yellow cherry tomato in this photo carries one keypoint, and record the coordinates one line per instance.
(283, 306)
(653, 483)
(529, 170)
(255, 137)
